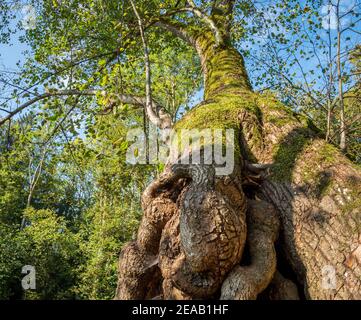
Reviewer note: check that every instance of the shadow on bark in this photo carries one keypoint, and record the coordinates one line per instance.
(288, 151)
(278, 191)
(316, 232)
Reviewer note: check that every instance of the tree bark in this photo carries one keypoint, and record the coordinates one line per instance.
(316, 191)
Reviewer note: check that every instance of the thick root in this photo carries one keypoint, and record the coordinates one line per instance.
(192, 235)
(282, 289)
(199, 247)
(246, 282)
(139, 275)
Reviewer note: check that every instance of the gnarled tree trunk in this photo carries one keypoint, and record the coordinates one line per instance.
(316, 192)
(209, 236)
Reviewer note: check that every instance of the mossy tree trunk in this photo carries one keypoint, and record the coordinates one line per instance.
(242, 235)
(317, 193)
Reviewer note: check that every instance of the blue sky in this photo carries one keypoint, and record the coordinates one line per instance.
(12, 53)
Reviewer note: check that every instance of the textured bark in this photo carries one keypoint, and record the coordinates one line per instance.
(318, 200)
(282, 289)
(139, 275)
(197, 223)
(246, 282)
(206, 240)
(203, 237)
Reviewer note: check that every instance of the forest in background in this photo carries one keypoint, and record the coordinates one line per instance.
(68, 198)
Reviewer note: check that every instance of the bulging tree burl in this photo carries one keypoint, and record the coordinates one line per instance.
(289, 231)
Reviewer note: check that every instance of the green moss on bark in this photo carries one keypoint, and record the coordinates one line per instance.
(223, 67)
(222, 112)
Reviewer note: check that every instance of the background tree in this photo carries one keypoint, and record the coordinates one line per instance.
(303, 52)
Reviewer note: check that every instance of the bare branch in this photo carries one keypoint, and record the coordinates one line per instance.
(207, 20)
(177, 29)
(159, 119)
(112, 54)
(351, 26)
(42, 97)
(353, 30)
(153, 117)
(123, 98)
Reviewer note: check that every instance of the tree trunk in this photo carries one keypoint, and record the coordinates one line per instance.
(343, 145)
(316, 191)
(208, 236)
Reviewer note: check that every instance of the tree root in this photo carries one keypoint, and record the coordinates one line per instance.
(137, 269)
(205, 241)
(282, 288)
(246, 282)
(138, 261)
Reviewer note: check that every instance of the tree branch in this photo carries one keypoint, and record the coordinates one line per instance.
(153, 117)
(177, 29)
(124, 98)
(224, 6)
(207, 20)
(180, 31)
(159, 119)
(223, 9)
(112, 54)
